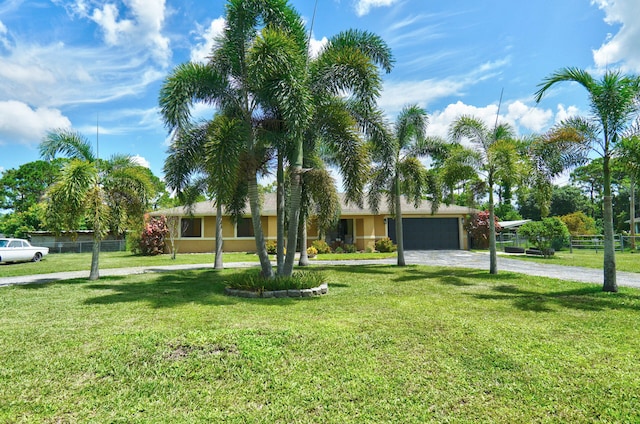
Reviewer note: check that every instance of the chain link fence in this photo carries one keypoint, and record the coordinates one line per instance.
(84, 246)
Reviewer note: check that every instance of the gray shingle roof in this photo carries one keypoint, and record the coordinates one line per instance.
(208, 208)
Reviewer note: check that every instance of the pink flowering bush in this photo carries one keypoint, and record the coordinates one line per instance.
(152, 238)
(477, 225)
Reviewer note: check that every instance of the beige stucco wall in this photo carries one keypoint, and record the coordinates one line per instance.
(367, 228)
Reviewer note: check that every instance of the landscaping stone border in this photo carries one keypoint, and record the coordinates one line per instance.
(316, 291)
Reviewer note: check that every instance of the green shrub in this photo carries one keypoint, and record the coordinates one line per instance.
(338, 249)
(349, 248)
(272, 247)
(580, 224)
(385, 245)
(253, 281)
(546, 235)
(321, 246)
(133, 240)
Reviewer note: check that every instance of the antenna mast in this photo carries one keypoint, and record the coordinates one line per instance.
(97, 135)
(313, 20)
(495, 127)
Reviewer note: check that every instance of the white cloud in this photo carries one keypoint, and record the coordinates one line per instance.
(141, 161)
(531, 118)
(363, 7)
(56, 74)
(523, 118)
(316, 45)
(440, 121)
(125, 121)
(142, 26)
(397, 94)
(203, 49)
(565, 112)
(622, 48)
(21, 124)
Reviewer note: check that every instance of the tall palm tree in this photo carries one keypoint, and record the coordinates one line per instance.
(206, 159)
(457, 167)
(255, 75)
(349, 64)
(109, 193)
(399, 170)
(499, 157)
(629, 157)
(614, 100)
(548, 155)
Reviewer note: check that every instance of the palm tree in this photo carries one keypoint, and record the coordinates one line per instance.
(205, 159)
(457, 167)
(255, 75)
(629, 157)
(614, 100)
(399, 170)
(499, 157)
(350, 63)
(109, 193)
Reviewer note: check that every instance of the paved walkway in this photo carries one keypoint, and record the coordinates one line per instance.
(452, 258)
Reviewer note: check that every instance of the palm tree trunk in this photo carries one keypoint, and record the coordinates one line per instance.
(218, 261)
(609, 284)
(261, 248)
(632, 212)
(493, 256)
(398, 213)
(94, 274)
(302, 232)
(280, 212)
(294, 210)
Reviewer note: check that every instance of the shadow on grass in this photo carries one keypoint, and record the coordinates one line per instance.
(450, 276)
(587, 298)
(48, 282)
(376, 269)
(168, 290)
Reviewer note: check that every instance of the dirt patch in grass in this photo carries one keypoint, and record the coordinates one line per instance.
(180, 351)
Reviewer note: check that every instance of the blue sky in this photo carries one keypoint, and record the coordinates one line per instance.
(85, 63)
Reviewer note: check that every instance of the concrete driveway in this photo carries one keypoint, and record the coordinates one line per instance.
(452, 258)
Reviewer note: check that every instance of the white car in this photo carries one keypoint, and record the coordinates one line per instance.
(18, 250)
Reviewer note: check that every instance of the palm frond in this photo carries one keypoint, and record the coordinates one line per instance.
(411, 125)
(471, 128)
(370, 44)
(69, 143)
(320, 188)
(223, 154)
(566, 74)
(412, 175)
(187, 84)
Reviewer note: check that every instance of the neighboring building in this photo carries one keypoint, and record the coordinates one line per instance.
(636, 221)
(422, 230)
(508, 235)
(512, 226)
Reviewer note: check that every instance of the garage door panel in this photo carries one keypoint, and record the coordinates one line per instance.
(427, 233)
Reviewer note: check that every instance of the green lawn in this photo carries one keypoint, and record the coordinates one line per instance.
(625, 261)
(409, 345)
(82, 261)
